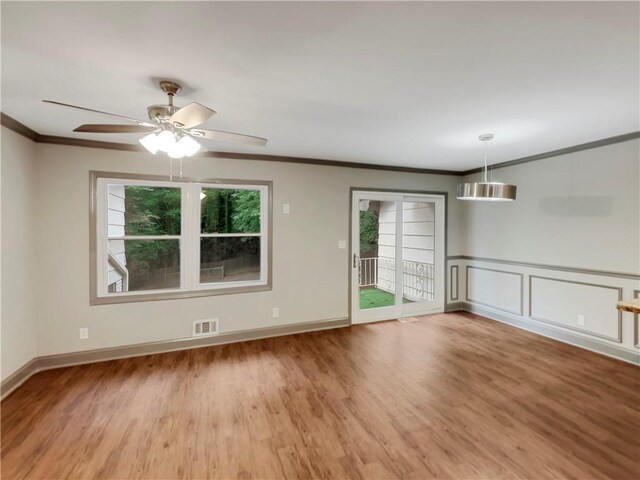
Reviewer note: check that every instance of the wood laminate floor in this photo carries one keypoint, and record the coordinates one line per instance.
(450, 396)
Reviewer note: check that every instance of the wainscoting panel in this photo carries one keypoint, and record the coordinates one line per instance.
(560, 302)
(547, 299)
(453, 287)
(496, 289)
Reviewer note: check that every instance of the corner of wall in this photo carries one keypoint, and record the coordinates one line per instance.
(18, 263)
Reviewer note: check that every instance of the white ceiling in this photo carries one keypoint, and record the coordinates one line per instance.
(409, 84)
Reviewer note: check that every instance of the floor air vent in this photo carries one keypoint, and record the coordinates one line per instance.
(407, 319)
(203, 328)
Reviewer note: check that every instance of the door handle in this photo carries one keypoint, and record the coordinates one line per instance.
(355, 260)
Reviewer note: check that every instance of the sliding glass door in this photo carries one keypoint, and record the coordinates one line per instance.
(397, 255)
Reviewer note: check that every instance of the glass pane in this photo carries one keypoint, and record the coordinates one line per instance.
(225, 210)
(142, 210)
(418, 250)
(136, 265)
(229, 259)
(377, 251)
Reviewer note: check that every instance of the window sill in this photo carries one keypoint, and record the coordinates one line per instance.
(175, 295)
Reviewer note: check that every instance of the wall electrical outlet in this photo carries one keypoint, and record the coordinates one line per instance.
(285, 208)
(580, 319)
(275, 312)
(84, 333)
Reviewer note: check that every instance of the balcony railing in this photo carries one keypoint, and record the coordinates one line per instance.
(417, 277)
(369, 272)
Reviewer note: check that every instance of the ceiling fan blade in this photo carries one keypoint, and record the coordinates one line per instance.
(227, 136)
(105, 128)
(191, 115)
(139, 122)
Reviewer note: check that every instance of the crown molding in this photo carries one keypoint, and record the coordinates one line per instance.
(326, 163)
(81, 142)
(14, 125)
(562, 151)
(11, 124)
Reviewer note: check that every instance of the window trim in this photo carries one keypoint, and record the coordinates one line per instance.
(201, 290)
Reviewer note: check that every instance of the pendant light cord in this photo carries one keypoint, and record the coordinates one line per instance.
(485, 161)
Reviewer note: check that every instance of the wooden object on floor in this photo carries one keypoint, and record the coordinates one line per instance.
(450, 396)
(632, 306)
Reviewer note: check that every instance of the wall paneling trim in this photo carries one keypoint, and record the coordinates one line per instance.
(453, 287)
(572, 298)
(492, 288)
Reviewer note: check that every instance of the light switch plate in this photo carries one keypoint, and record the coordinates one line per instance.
(285, 208)
(342, 244)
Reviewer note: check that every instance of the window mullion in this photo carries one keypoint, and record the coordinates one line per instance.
(187, 215)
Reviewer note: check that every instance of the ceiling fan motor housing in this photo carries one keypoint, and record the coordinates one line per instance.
(161, 112)
(164, 112)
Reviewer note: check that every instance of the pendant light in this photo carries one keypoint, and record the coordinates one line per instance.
(486, 190)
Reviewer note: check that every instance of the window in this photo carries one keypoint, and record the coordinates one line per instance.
(156, 239)
(230, 234)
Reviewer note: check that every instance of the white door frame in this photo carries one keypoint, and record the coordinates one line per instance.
(398, 310)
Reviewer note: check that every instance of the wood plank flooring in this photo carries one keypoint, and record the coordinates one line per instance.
(450, 396)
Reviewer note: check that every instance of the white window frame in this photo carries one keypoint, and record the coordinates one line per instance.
(189, 238)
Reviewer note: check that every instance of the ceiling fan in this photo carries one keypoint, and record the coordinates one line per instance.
(170, 129)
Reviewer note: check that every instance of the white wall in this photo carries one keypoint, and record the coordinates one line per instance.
(19, 270)
(576, 210)
(555, 252)
(310, 273)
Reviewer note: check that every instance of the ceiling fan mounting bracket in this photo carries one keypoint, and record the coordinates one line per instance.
(170, 88)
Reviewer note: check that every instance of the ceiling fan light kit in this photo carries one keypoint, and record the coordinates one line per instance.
(486, 190)
(151, 143)
(170, 129)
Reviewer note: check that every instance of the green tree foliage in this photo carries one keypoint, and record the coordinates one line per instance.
(245, 216)
(368, 231)
(157, 211)
(230, 211)
(216, 211)
(151, 211)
